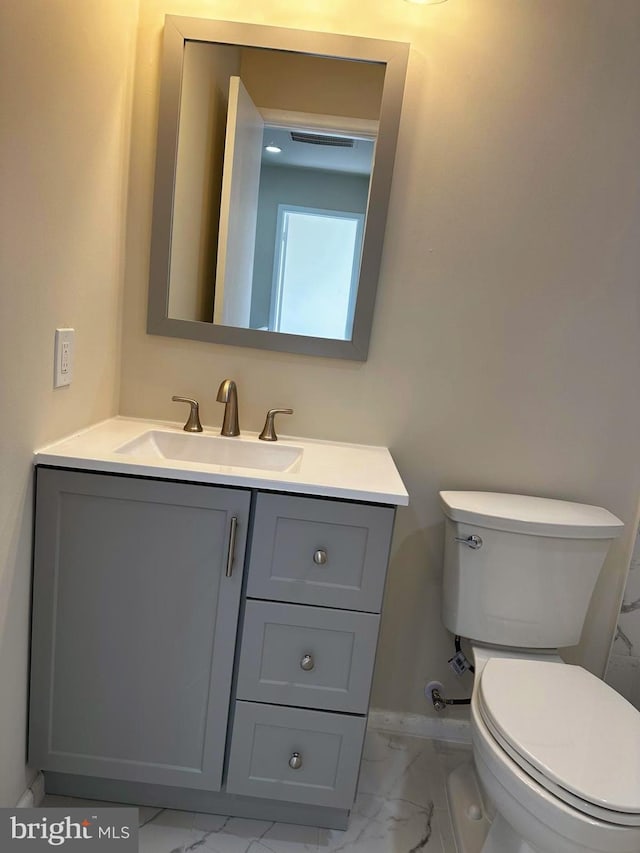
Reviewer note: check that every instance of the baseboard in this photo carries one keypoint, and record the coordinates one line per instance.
(34, 794)
(419, 725)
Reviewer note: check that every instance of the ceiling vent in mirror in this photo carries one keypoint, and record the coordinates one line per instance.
(322, 139)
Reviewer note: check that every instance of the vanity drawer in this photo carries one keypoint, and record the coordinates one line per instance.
(295, 755)
(323, 552)
(307, 656)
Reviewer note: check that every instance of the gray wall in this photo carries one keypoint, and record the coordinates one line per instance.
(505, 350)
(66, 98)
(306, 188)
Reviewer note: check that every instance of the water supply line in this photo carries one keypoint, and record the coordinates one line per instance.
(440, 703)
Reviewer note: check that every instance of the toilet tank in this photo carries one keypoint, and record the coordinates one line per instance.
(527, 579)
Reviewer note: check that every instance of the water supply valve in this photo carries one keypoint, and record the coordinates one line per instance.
(434, 691)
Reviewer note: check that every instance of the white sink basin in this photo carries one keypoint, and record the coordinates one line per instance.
(301, 466)
(214, 450)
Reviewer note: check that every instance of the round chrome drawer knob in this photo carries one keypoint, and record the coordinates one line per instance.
(320, 557)
(295, 762)
(307, 663)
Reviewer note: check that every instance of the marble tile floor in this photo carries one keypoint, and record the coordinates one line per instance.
(401, 807)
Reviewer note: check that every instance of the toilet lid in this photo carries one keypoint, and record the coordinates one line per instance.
(580, 738)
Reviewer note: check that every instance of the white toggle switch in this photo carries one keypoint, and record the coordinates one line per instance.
(63, 358)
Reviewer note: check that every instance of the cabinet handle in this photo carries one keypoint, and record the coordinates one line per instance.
(232, 546)
(295, 762)
(307, 663)
(320, 557)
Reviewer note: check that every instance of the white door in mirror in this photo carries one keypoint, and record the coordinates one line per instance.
(63, 357)
(238, 208)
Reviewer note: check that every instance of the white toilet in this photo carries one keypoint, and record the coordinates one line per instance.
(556, 751)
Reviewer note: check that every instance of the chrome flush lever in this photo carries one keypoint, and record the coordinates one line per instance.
(474, 542)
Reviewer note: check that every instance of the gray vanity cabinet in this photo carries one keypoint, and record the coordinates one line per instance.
(135, 615)
(138, 693)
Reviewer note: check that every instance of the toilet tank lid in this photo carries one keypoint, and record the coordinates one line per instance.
(536, 516)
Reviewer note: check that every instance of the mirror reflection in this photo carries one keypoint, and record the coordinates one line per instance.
(275, 155)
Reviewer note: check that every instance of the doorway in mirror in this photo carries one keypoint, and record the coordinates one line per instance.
(315, 275)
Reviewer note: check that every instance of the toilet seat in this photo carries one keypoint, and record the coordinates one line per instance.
(569, 731)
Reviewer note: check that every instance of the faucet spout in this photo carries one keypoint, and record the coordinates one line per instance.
(228, 394)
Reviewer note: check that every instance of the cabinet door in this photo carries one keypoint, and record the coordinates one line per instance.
(134, 626)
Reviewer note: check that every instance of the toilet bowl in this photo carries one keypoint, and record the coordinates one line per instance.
(556, 751)
(549, 780)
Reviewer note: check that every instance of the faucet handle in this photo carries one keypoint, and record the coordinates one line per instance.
(193, 421)
(268, 431)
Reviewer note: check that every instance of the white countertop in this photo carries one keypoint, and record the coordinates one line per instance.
(326, 468)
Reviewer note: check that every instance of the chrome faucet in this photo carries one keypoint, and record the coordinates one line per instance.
(228, 394)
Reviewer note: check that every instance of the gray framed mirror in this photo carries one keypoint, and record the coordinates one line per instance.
(274, 160)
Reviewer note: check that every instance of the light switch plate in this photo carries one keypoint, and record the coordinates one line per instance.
(63, 358)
